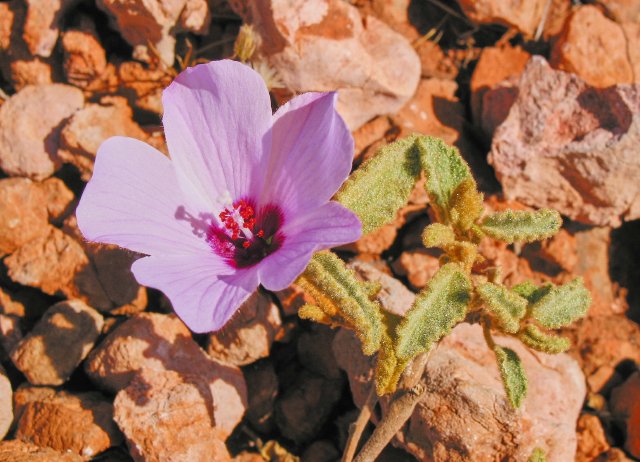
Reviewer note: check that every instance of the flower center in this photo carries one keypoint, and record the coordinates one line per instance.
(245, 237)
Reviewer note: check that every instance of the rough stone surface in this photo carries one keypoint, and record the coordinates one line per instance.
(249, 334)
(306, 405)
(58, 343)
(143, 86)
(181, 409)
(312, 45)
(163, 343)
(523, 16)
(262, 390)
(6, 404)
(19, 451)
(494, 85)
(33, 153)
(85, 131)
(10, 335)
(571, 147)
(57, 265)
(625, 404)
(592, 440)
(85, 61)
(314, 351)
(433, 110)
(78, 422)
(58, 198)
(593, 47)
(42, 25)
(155, 22)
(623, 10)
(24, 213)
(418, 266)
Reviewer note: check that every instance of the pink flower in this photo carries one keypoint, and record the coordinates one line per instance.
(244, 199)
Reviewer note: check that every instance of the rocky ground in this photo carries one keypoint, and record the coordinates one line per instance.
(542, 99)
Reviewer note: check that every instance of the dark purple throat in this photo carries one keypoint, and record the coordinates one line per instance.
(246, 236)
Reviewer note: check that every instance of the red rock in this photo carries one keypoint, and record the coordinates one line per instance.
(57, 264)
(433, 110)
(42, 25)
(250, 333)
(26, 71)
(7, 17)
(393, 295)
(571, 147)
(49, 354)
(146, 24)
(262, 390)
(495, 66)
(85, 131)
(6, 404)
(625, 405)
(10, 335)
(592, 440)
(613, 455)
(23, 303)
(143, 86)
(369, 134)
(24, 213)
(524, 17)
(320, 451)
(434, 62)
(561, 250)
(163, 343)
(622, 10)
(58, 198)
(19, 451)
(77, 422)
(32, 153)
(291, 299)
(594, 48)
(306, 406)
(85, 60)
(314, 351)
(180, 407)
(417, 265)
(312, 44)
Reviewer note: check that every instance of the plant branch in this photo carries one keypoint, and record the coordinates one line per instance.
(357, 427)
(400, 409)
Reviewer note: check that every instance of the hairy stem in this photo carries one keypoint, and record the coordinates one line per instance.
(400, 409)
(357, 427)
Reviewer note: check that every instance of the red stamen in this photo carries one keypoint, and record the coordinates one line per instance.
(260, 233)
(246, 244)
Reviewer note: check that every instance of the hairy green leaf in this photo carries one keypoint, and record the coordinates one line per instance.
(562, 305)
(376, 191)
(538, 455)
(513, 375)
(389, 367)
(506, 307)
(535, 338)
(530, 291)
(436, 310)
(445, 170)
(522, 226)
(317, 314)
(461, 252)
(437, 235)
(343, 298)
(466, 204)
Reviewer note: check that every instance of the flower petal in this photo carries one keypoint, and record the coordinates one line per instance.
(217, 118)
(133, 200)
(311, 154)
(327, 226)
(204, 290)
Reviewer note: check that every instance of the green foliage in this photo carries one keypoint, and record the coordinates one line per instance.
(530, 291)
(467, 204)
(506, 307)
(522, 226)
(445, 170)
(436, 310)
(342, 299)
(562, 305)
(535, 338)
(382, 185)
(461, 252)
(513, 375)
(389, 367)
(438, 235)
(538, 455)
